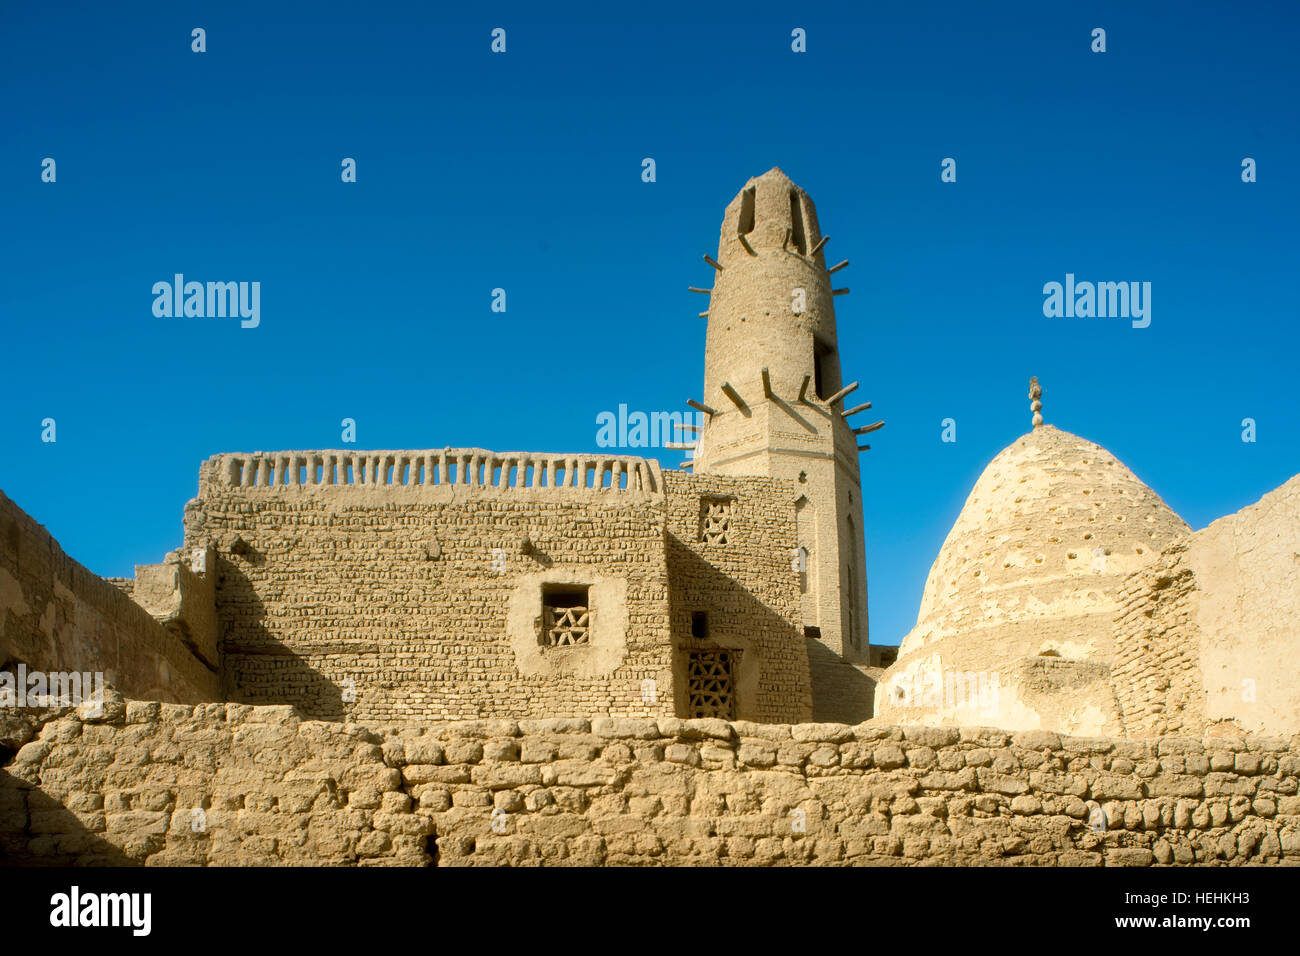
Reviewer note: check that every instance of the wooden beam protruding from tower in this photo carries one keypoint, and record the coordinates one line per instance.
(691, 288)
(841, 393)
(767, 383)
(818, 248)
(680, 445)
(843, 291)
(803, 389)
(837, 267)
(855, 409)
(704, 314)
(734, 395)
(712, 261)
(688, 428)
(701, 407)
(868, 429)
(864, 448)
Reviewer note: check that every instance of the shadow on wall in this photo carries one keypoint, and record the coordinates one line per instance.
(842, 693)
(262, 670)
(771, 677)
(37, 830)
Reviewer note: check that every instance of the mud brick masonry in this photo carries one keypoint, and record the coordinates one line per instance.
(460, 656)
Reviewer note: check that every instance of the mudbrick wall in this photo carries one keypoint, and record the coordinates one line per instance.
(746, 588)
(1157, 674)
(391, 586)
(388, 586)
(1206, 634)
(56, 616)
(275, 789)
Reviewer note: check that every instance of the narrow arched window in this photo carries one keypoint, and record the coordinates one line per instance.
(745, 225)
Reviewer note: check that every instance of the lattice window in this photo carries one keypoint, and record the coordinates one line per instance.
(566, 617)
(715, 520)
(709, 684)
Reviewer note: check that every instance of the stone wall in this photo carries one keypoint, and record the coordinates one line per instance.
(213, 784)
(56, 616)
(276, 789)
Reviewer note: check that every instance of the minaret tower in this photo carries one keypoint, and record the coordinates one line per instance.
(773, 400)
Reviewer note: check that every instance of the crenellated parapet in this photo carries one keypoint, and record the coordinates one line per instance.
(470, 469)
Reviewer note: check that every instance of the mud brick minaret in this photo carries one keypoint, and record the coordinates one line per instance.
(774, 400)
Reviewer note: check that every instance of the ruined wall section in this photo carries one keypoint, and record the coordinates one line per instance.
(747, 586)
(1208, 634)
(276, 789)
(57, 616)
(400, 585)
(1246, 608)
(1156, 675)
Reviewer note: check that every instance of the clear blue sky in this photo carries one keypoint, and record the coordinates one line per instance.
(522, 171)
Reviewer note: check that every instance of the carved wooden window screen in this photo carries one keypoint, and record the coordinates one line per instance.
(568, 626)
(715, 521)
(709, 684)
(566, 618)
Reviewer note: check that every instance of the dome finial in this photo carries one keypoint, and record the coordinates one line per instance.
(1035, 406)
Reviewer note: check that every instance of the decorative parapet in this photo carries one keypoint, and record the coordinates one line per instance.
(464, 468)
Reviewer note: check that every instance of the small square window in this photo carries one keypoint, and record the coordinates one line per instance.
(566, 615)
(700, 625)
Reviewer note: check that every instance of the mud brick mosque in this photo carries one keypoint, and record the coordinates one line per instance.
(450, 635)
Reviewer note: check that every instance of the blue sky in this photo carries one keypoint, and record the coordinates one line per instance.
(523, 171)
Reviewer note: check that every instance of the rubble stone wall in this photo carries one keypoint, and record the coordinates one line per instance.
(213, 784)
(277, 789)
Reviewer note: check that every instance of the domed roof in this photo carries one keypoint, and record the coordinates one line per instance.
(1034, 562)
